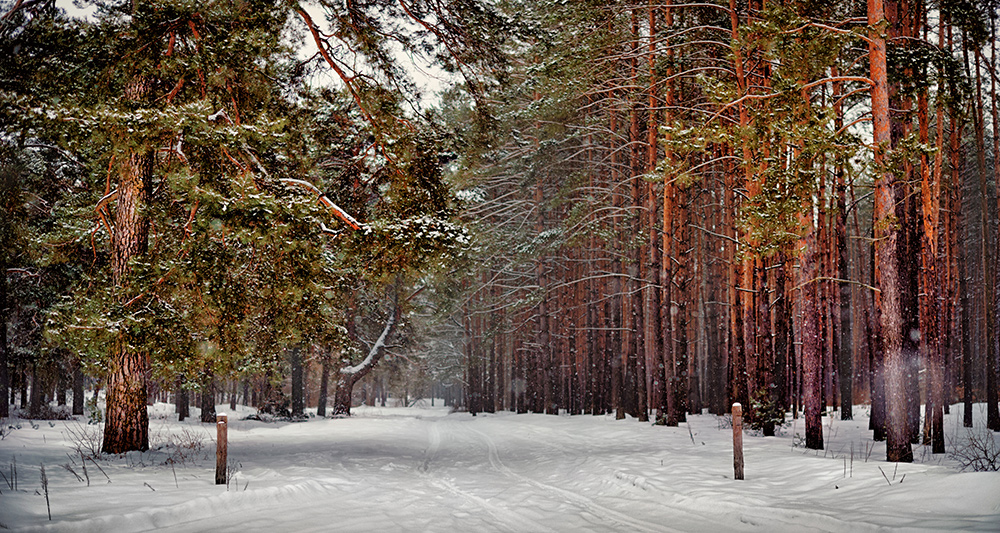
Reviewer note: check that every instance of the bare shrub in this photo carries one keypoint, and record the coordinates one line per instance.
(185, 446)
(977, 450)
(85, 439)
(7, 429)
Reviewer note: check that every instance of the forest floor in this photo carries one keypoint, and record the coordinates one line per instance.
(426, 469)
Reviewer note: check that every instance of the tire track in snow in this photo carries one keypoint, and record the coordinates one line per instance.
(434, 443)
(507, 519)
(589, 505)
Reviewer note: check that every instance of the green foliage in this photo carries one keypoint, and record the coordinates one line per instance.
(765, 412)
(237, 265)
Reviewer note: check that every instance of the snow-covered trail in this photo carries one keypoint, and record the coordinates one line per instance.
(426, 470)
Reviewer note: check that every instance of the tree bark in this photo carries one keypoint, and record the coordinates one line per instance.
(298, 383)
(5, 388)
(324, 385)
(994, 349)
(845, 358)
(37, 398)
(349, 375)
(127, 424)
(931, 281)
(182, 403)
(208, 398)
(812, 362)
(78, 396)
(897, 436)
(653, 331)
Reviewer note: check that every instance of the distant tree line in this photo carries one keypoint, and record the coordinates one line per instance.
(791, 205)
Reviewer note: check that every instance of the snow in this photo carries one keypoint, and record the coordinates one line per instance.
(425, 469)
(376, 349)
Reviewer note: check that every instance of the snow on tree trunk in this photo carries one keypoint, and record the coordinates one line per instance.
(350, 375)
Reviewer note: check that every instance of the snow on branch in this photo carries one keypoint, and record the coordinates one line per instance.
(323, 199)
(326, 201)
(377, 349)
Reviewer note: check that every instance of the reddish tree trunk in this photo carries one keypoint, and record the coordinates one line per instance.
(897, 435)
(127, 422)
(809, 332)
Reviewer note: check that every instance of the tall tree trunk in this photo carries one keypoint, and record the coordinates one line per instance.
(181, 401)
(898, 441)
(78, 396)
(667, 272)
(653, 335)
(845, 358)
(127, 422)
(324, 385)
(965, 302)
(985, 305)
(298, 383)
(931, 280)
(342, 396)
(994, 349)
(683, 306)
(5, 388)
(349, 375)
(812, 359)
(783, 347)
(208, 397)
(37, 399)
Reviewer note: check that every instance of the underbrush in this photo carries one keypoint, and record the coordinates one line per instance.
(976, 450)
(185, 446)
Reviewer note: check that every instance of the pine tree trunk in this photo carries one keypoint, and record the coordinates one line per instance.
(812, 362)
(909, 270)
(898, 441)
(5, 388)
(683, 301)
(964, 322)
(324, 385)
(62, 380)
(994, 349)
(342, 395)
(127, 423)
(782, 333)
(181, 401)
(765, 360)
(349, 375)
(668, 374)
(78, 397)
(986, 289)
(846, 356)
(37, 398)
(931, 281)
(208, 398)
(298, 383)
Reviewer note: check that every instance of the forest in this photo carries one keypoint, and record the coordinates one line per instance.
(649, 209)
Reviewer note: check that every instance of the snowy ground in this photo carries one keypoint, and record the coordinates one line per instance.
(423, 469)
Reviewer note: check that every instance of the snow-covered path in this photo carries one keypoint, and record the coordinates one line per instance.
(427, 470)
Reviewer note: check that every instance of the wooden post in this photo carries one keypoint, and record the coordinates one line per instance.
(738, 440)
(221, 448)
